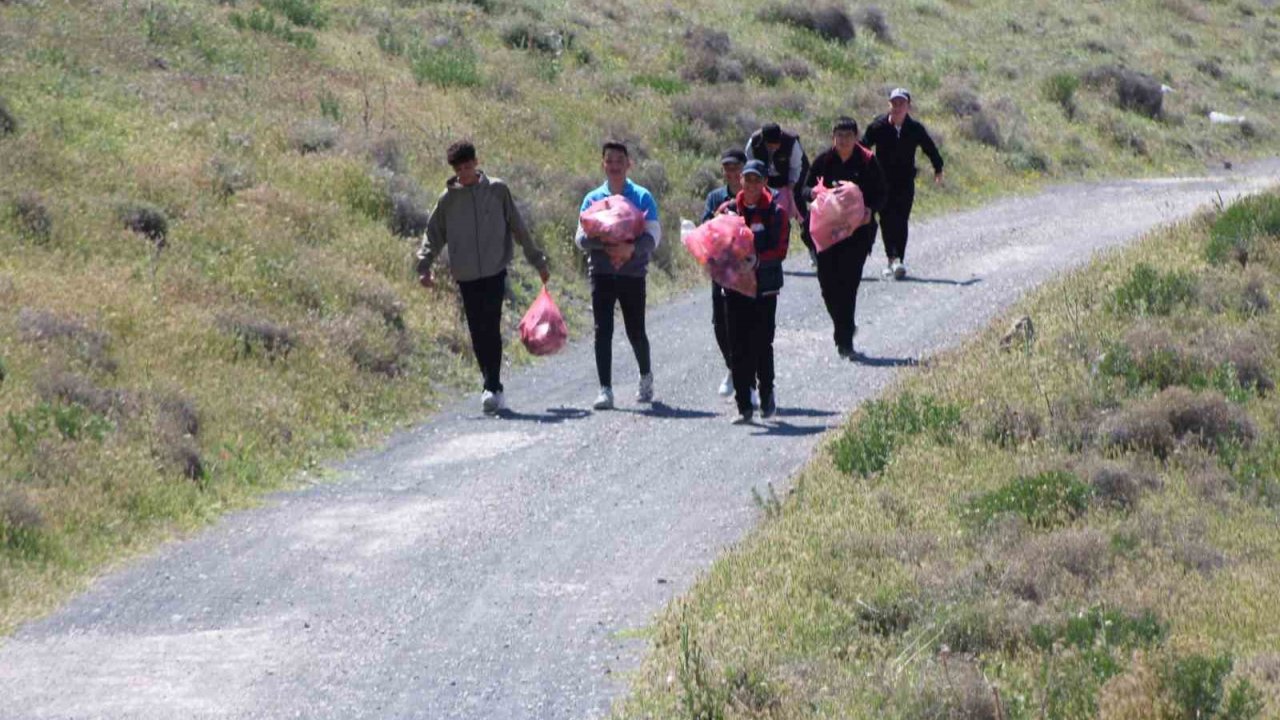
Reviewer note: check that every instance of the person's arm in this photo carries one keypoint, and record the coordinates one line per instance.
(931, 151)
(868, 137)
(520, 232)
(652, 227)
(432, 243)
(811, 180)
(795, 166)
(584, 243)
(710, 210)
(770, 236)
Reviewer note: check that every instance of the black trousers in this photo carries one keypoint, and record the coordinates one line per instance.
(893, 219)
(719, 324)
(482, 303)
(839, 275)
(629, 292)
(752, 323)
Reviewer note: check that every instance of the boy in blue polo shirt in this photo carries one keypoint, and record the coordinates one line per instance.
(623, 284)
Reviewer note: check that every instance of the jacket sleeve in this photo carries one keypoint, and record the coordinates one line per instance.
(811, 180)
(584, 243)
(874, 189)
(647, 242)
(710, 210)
(520, 232)
(771, 236)
(433, 241)
(930, 150)
(869, 136)
(795, 169)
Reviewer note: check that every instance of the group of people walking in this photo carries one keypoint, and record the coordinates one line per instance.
(770, 184)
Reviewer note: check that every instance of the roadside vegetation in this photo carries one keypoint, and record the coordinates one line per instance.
(209, 206)
(1072, 518)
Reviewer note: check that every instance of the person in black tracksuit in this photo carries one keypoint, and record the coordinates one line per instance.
(896, 136)
(840, 266)
(752, 320)
(731, 163)
(788, 167)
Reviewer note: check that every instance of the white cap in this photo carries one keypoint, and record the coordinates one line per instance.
(900, 93)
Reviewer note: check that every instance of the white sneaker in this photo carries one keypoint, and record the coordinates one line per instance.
(887, 272)
(604, 401)
(899, 270)
(492, 402)
(726, 386)
(644, 393)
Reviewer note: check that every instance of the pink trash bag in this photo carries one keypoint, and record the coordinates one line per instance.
(542, 329)
(613, 220)
(835, 213)
(726, 247)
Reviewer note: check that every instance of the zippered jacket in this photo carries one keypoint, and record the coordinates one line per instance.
(480, 225)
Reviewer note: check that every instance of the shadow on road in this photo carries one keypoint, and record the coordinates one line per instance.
(551, 416)
(801, 273)
(785, 429)
(805, 412)
(662, 410)
(927, 280)
(886, 361)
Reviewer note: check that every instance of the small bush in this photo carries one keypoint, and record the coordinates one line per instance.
(315, 135)
(230, 176)
(663, 84)
(445, 67)
(761, 70)
(32, 217)
(91, 346)
(828, 21)
(177, 416)
(873, 19)
(8, 121)
(1120, 486)
(262, 21)
(1044, 501)
(1195, 684)
(303, 13)
(1013, 426)
(21, 523)
(372, 347)
(962, 102)
(984, 128)
(1103, 628)
(796, 69)
(409, 214)
(1134, 91)
(1204, 416)
(865, 448)
(257, 336)
(1148, 291)
(1151, 357)
(1236, 231)
(73, 389)
(1042, 568)
(1211, 67)
(145, 219)
(1139, 427)
(523, 33)
(709, 57)
(1061, 88)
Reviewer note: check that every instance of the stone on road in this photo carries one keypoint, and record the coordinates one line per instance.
(481, 568)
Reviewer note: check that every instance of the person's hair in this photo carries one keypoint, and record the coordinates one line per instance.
(461, 152)
(614, 145)
(844, 122)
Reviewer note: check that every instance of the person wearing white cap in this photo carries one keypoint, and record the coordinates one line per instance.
(895, 136)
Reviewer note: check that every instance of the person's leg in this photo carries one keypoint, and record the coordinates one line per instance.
(482, 304)
(741, 312)
(719, 324)
(854, 262)
(832, 270)
(765, 327)
(893, 220)
(631, 296)
(604, 294)
(904, 230)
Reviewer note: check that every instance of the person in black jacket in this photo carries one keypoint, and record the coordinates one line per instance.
(895, 137)
(788, 167)
(840, 266)
(731, 164)
(752, 320)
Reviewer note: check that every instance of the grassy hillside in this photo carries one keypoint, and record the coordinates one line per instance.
(1076, 522)
(208, 207)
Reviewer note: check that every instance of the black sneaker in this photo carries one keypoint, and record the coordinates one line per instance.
(844, 352)
(768, 405)
(743, 417)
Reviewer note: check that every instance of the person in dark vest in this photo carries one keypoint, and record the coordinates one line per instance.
(731, 164)
(840, 266)
(788, 167)
(752, 320)
(895, 136)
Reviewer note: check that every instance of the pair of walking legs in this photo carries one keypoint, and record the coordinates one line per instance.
(608, 291)
(751, 324)
(894, 217)
(482, 304)
(839, 275)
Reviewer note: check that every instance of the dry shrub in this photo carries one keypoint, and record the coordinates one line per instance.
(32, 217)
(1184, 540)
(1134, 90)
(1066, 562)
(146, 220)
(984, 128)
(18, 512)
(230, 176)
(1247, 353)
(8, 121)
(387, 153)
(827, 20)
(1139, 427)
(1120, 485)
(709, 57)
(378, 296)
(1211, 67)
(259, 336)
(796, 69)
(962, 101)
(1187, 10)
(177, 416)
(1132, 695)
(726, 120)
(314, 135)
(91, 347)
(1012, 426)
(371, 346)
(873, 19)
(73, 389)
(1205, 416)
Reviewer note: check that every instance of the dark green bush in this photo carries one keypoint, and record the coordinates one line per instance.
(1195, 684)
(1238, 228)
(1148, 291)
(303, 13)
(445, 67)
(865, 448)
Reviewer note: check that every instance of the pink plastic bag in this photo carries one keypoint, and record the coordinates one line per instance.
(613, 220)
(726, 247)
(835, 213)
(542, 329)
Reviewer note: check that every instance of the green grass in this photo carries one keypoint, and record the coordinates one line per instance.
(919, 569)
(279, 304)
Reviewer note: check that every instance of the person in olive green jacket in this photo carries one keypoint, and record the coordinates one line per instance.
(477, 219)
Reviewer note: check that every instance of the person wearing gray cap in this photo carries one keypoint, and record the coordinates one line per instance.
(895, 136)
(731, 164)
